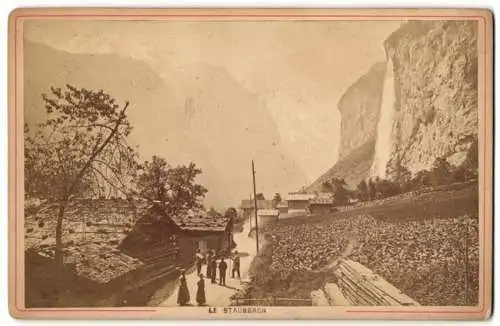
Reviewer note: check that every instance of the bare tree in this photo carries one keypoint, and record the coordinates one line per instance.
(79, 151)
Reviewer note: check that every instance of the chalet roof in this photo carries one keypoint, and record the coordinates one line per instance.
(282, 204)
(299, 197)
(100, 263)
(321, 201)
(261, 204)
(200, 221)
(268, 212)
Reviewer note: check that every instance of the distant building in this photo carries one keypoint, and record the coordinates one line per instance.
(321, 205)
(282, 207)
(267, 216)
(298, 202)
(247, 206)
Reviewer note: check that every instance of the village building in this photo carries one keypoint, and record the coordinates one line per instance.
(189, 232)
(266, 217)
(199, 231)
(298, 202)
(282, 207)
(113, 246)
(321, 205)
(247, 206)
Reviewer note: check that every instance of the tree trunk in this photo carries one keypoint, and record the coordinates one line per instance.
(58, 256)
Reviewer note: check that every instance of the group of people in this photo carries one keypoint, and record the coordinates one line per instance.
(212, 265)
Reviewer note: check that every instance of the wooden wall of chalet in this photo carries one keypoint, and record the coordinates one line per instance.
(218, 241)
(298, 204)
(320, 208)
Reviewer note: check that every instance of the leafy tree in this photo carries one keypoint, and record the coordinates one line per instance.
(175, 187)
(421, 179)
(470, 165)
(276, 199)
(338, 188)
(80, 150)
(404, 179)
(441, 172)
(471, 161)
(327, 186)
(362, 191)
(231, 213)
(386, 188)
(213, 213)
(372, 191)
(260, 196)
(461, 174)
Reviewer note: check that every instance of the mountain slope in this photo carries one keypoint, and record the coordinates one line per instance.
(154, 112)
(352, 168)
(213, 121)
(360, 110)
(231, 126)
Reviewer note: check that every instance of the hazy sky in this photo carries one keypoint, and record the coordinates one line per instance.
(299, 69)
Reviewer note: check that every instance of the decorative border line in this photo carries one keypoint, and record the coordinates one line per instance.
(305, 17)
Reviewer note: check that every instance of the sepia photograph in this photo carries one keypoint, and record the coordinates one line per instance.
(250, 163)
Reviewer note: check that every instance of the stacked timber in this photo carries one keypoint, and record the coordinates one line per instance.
(335, 295)
(361, 287)
(318, 298)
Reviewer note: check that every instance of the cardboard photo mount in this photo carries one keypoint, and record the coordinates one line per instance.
(18, 17)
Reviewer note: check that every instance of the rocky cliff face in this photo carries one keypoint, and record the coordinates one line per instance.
(435, 87)
(360, 109)
(422, 103)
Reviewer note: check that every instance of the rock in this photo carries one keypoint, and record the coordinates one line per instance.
(424, 96)
(437, 100)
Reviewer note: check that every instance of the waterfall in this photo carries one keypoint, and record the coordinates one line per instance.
(384, 127)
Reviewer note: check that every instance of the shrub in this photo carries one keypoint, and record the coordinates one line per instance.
(41, 224)
(29, 230)
(44, 237)
(102, 231)
(441, 172)
(71, 231)
(387, 188)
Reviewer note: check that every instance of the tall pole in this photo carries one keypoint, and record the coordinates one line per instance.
(255, 208)
(250, 216)
(467, 266)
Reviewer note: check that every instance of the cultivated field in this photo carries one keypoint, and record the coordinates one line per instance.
(416, 241)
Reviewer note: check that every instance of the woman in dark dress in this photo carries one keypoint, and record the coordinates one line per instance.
(183, 296)
(200, 294)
